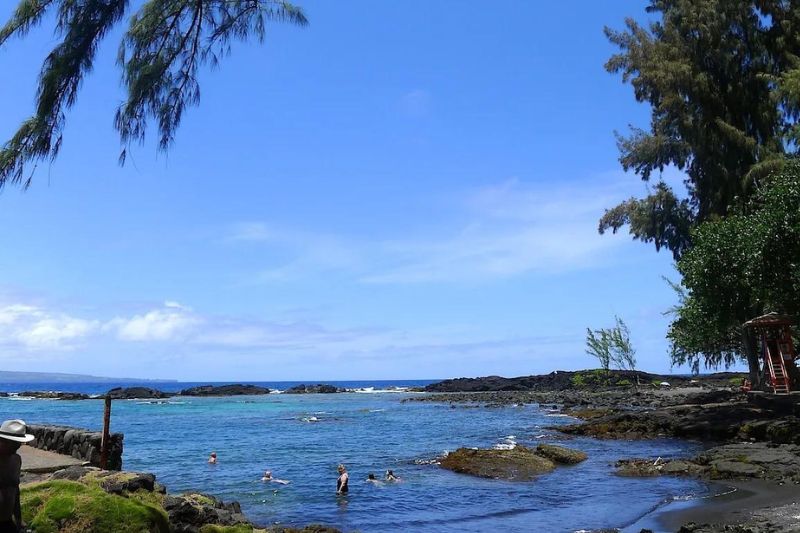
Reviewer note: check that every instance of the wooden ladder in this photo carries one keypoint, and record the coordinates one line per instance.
(777, 371)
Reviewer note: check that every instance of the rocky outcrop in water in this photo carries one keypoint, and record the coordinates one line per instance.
(224, 390)
(591, 380)
(517, 464)
(319, 388)
(560, 454)
(136, 393)
(55, 395)
(743, 460)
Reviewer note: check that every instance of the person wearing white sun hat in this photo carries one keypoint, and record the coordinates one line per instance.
(13, 434)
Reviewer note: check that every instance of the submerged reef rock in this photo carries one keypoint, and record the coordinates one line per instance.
(224, 390)
(517, 464)
(319, 388)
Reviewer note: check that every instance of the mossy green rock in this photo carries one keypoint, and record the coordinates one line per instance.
(560, 454)
(72, 507)
(519, 464)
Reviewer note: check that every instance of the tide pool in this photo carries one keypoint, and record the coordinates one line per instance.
(302, 438)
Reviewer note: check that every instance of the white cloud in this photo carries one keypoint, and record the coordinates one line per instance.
(34, 328)
(175, 331)
(509, 229)
(172, 322)
(309, 253)
(514, 228)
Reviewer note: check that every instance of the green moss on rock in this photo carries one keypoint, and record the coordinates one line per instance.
(519, 464)
(239, 528)
(72, 507)
(560, 454)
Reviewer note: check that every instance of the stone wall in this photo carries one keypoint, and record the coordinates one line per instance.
(78, 443)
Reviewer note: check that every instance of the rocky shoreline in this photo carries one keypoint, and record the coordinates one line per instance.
(750, 437)
(103, 500)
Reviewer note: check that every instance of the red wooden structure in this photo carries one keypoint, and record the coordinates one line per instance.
(777, 350)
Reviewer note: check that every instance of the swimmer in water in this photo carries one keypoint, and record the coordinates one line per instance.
(212, 459)
(372, 479)
(391, 477)
(269, 479)
(341, 481)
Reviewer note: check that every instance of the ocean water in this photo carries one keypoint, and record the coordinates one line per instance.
(302, 438)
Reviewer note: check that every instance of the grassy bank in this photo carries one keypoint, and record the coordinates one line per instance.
(95, 501)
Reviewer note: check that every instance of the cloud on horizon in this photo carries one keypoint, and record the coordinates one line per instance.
(168, 334)
(34, 328)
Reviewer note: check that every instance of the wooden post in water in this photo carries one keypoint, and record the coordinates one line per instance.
(104, 443)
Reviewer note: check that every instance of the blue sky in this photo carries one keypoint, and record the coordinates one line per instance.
(399, 190)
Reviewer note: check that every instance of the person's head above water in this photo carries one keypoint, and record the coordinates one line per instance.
(267, 473)
(341, 469)
(371, 476)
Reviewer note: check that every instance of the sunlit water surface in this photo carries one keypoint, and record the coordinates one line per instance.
(302, 438)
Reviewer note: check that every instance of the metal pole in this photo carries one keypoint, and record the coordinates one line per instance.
(104, 443)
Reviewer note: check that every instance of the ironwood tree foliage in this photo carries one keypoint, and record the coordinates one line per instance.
(739, 267)
(612, 346)
(164, 46)
(722, 78)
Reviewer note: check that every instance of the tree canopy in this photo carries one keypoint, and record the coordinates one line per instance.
(164, 46)
(739, 267)
(722, 78)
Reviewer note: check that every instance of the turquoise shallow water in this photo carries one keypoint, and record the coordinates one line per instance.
(302, 439)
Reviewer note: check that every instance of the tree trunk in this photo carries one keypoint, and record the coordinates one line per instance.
(751, 351)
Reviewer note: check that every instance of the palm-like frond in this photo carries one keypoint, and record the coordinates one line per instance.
(83, 25)
(166, 43)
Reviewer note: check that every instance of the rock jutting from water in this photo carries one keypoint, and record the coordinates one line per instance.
(320, 388)
(55, 395)
(560, 454)
(224, 390)
(517, 464)
(136, 393)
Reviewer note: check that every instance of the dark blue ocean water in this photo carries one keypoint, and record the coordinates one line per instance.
(302, 438)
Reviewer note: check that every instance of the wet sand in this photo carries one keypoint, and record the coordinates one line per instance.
(754, 502)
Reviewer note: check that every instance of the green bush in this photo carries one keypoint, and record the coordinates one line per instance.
(578, 380)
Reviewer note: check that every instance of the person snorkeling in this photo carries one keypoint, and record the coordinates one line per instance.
(269, 479)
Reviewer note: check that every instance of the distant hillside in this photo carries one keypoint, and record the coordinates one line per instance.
(55, 377)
